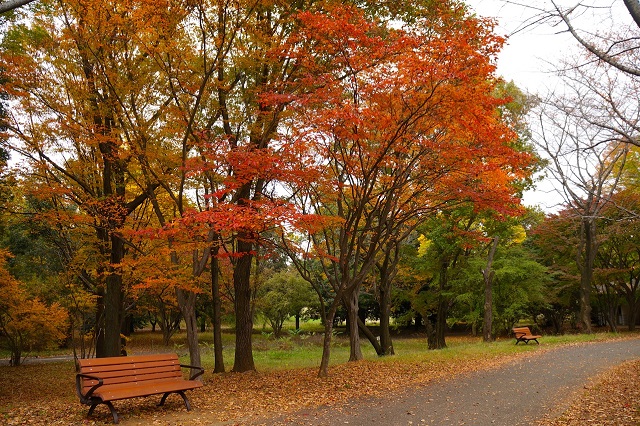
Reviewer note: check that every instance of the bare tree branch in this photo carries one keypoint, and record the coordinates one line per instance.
(611, 59)
(8, 5)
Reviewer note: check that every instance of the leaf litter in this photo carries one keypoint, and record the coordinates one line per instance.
(44, 393)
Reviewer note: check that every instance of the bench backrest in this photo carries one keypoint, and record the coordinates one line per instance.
(521, 331)
(127, 369)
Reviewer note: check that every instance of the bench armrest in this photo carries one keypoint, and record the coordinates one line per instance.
(86, 397)
(199, 373)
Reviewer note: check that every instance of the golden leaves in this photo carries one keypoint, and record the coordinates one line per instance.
(613, 398)
(27, 322)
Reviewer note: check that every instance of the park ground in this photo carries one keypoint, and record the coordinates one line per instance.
(612, 398)
(43, 392)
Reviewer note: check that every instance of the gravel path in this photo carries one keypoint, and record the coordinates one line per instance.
(517, 393)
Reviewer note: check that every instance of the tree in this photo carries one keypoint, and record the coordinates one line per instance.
(456, 261)
(230, 144)
(282, 296)
(387, 269)
(617, 50)
(385, 139)
(446, 241)
(73, 73)
(448, 235)
(585, 160)
(618, 258)
(26, 322)
(488, 274)
(556, 241)
(518, 287)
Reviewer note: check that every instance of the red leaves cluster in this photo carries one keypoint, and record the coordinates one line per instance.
(407, 113)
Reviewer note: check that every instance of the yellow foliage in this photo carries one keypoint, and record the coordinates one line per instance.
(518, 234)
(425, 243)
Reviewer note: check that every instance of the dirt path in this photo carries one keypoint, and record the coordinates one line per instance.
(517, 393)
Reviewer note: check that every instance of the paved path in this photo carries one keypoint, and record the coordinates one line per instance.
(516, 393)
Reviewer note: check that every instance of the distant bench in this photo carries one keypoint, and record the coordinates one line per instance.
(103, 380)
(523, 334)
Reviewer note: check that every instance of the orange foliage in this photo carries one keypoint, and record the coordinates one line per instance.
(405, 113)
(26, 322)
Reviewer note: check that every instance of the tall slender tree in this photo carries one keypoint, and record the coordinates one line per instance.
(90, 109)
(585, 161)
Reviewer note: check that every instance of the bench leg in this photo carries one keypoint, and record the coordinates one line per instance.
(181, 393)
(114, 413)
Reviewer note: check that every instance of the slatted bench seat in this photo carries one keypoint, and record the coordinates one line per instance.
(103, 380)
(523, 334)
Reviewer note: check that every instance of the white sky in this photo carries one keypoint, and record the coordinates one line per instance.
(529, 54)
(525, 57)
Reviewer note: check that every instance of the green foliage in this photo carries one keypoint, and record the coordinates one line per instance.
(518, 287)
(515, 112)
(284, 295)
(18, 34)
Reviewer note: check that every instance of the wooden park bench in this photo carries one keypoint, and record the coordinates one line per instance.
(523, 334)
(103, 380)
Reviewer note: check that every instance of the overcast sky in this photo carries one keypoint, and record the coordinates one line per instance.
(527, 53)
(531, 52)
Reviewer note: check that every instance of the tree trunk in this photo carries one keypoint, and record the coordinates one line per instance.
(355, 353)
(437, 324)
(388, 271)
(417, 323)
(113, 316)
(441, 323)
(586, 276)
(15, 346)
(612, 318)
(431, 332)
(187, 304)
(633, 315)
(127, 325)
(488, 274)
(557, 318)
(113, 301)
(633, 300)
(243, 360)
(370, 336)
(99, 327)
(328, 334)
(8, 5)
(385, 318)
(217, 313)
(16, 358)
(634, 10)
